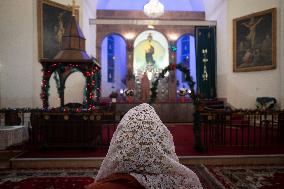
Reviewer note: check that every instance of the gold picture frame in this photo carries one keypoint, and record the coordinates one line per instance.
(53, 18)
(254, 42)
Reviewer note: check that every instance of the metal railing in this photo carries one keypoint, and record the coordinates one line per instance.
(248, 129)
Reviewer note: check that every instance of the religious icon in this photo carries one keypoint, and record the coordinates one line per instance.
(150, 51)
(251, 25)
(255, 41)
(53, 19)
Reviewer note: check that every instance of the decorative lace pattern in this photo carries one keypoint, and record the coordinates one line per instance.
(143, 147)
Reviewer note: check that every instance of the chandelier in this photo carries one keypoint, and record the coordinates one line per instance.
(154, 9)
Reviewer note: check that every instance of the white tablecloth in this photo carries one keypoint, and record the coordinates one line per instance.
(11, 135)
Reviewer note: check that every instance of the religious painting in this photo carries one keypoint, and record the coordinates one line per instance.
(150, 58)
(53, 19)
(254, 41)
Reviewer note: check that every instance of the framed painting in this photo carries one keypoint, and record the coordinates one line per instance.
(53, 19)
(254, 42)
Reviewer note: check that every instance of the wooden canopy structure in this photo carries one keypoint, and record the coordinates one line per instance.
(72, 57)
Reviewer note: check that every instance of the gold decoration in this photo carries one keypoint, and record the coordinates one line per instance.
(98, 117)
(205, 61)
(85, 117)
(74, 7)
(66, 117)
(92, 117)
(46, 117)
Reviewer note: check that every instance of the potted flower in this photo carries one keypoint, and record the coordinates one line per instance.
(129, 95)
(182, 92)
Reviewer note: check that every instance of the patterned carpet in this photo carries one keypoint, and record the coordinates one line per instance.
(46, 178)
(248, 177)
(211, 177)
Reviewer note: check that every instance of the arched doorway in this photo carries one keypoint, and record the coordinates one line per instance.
(75, 88)
(186, 55)
(113, 64)
(54, 97)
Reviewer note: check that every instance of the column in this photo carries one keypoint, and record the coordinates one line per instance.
(130, 80)
(172, 74)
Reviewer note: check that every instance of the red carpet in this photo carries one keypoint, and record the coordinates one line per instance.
(49, 183)
(183, 139)
(46, 178)
(65, 178)
(211, 177)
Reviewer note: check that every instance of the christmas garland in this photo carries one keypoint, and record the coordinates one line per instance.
(93, 84)
(196, 101)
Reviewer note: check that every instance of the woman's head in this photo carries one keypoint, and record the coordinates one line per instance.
(140, 137)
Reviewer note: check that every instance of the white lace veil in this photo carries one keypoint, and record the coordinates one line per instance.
(143, 147)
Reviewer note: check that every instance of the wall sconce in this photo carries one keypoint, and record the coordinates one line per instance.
(129, 36)
(173, 36)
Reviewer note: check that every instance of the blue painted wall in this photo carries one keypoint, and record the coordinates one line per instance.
(192, 59)
(170, 5)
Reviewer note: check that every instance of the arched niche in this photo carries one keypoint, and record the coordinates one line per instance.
(150, 56)
(160, 54)
(54, 100)
(113, 64)
(75, 88)
(186, 55)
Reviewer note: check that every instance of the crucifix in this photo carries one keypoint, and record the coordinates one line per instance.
(74, 7)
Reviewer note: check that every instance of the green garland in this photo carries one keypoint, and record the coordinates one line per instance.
(196, 101)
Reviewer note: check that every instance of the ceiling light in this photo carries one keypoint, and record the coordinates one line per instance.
(154, 9)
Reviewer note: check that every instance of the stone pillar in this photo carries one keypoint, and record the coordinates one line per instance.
(130, 80)
(172, 74)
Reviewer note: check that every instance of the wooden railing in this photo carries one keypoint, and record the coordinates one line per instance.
(247, 129)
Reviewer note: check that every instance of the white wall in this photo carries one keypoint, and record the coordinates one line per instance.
(16, 53)
(88, 11)
(217, 10)
(281, 51)
(244, 87)
(20, 71)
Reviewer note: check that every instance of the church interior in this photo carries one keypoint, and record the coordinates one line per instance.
(71, 69)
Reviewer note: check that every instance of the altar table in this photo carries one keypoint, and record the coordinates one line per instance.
(12, 135)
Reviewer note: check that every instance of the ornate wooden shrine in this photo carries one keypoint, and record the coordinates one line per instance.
(62, 128)
(71, 58)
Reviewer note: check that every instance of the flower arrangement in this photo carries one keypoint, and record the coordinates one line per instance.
(129, 92)
(182, 91)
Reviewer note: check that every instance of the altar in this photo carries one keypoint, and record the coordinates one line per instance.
(169, 112)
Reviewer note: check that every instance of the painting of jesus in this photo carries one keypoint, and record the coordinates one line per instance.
(255, 41)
